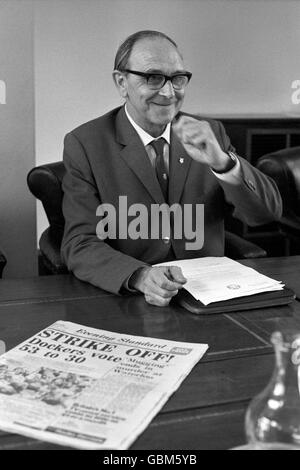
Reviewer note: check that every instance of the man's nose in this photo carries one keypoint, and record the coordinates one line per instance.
(167, 90)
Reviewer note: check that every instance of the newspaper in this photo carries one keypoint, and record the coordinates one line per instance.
(88, 388)
(216, 278)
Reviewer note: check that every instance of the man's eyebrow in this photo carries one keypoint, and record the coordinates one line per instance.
(160, 72)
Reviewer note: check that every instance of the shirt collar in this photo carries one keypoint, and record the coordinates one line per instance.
(144, 136)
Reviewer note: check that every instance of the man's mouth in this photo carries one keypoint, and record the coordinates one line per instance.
(163, 104)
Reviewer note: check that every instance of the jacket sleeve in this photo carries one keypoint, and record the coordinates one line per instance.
(88, 257)
(254, 196)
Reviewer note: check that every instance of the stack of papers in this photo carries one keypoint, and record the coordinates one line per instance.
(213, 279)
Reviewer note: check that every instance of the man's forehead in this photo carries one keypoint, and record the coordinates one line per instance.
(155, 53)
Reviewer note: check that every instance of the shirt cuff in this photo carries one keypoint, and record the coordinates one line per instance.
(232, 176)
(126, 287)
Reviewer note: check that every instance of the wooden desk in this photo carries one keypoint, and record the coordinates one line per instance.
(207, 411)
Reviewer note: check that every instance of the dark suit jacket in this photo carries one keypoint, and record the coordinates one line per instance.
(105, 159)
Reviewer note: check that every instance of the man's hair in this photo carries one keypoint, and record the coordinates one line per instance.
(124, 51)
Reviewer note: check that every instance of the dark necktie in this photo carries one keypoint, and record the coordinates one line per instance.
(160, 168)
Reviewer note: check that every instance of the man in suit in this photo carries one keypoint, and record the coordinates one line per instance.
(112, 164)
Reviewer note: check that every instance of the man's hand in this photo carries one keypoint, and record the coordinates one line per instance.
(200, 143)
(158, 284)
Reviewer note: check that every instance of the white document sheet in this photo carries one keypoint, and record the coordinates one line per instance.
(213, 279)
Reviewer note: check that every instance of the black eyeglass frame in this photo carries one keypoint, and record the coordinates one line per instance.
(166, 77)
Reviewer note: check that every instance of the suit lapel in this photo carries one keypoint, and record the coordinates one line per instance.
(180, 163)
(135, 156)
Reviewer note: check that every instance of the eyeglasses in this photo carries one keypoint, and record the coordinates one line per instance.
(155, 81)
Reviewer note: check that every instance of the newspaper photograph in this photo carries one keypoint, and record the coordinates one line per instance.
(88, 388)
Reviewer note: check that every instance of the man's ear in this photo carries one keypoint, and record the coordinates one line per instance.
(120, 82)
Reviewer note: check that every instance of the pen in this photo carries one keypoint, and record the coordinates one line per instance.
(170, 276)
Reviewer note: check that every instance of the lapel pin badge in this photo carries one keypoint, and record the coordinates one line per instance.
(181, 160)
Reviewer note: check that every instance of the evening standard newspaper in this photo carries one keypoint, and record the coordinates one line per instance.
(89, 388)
